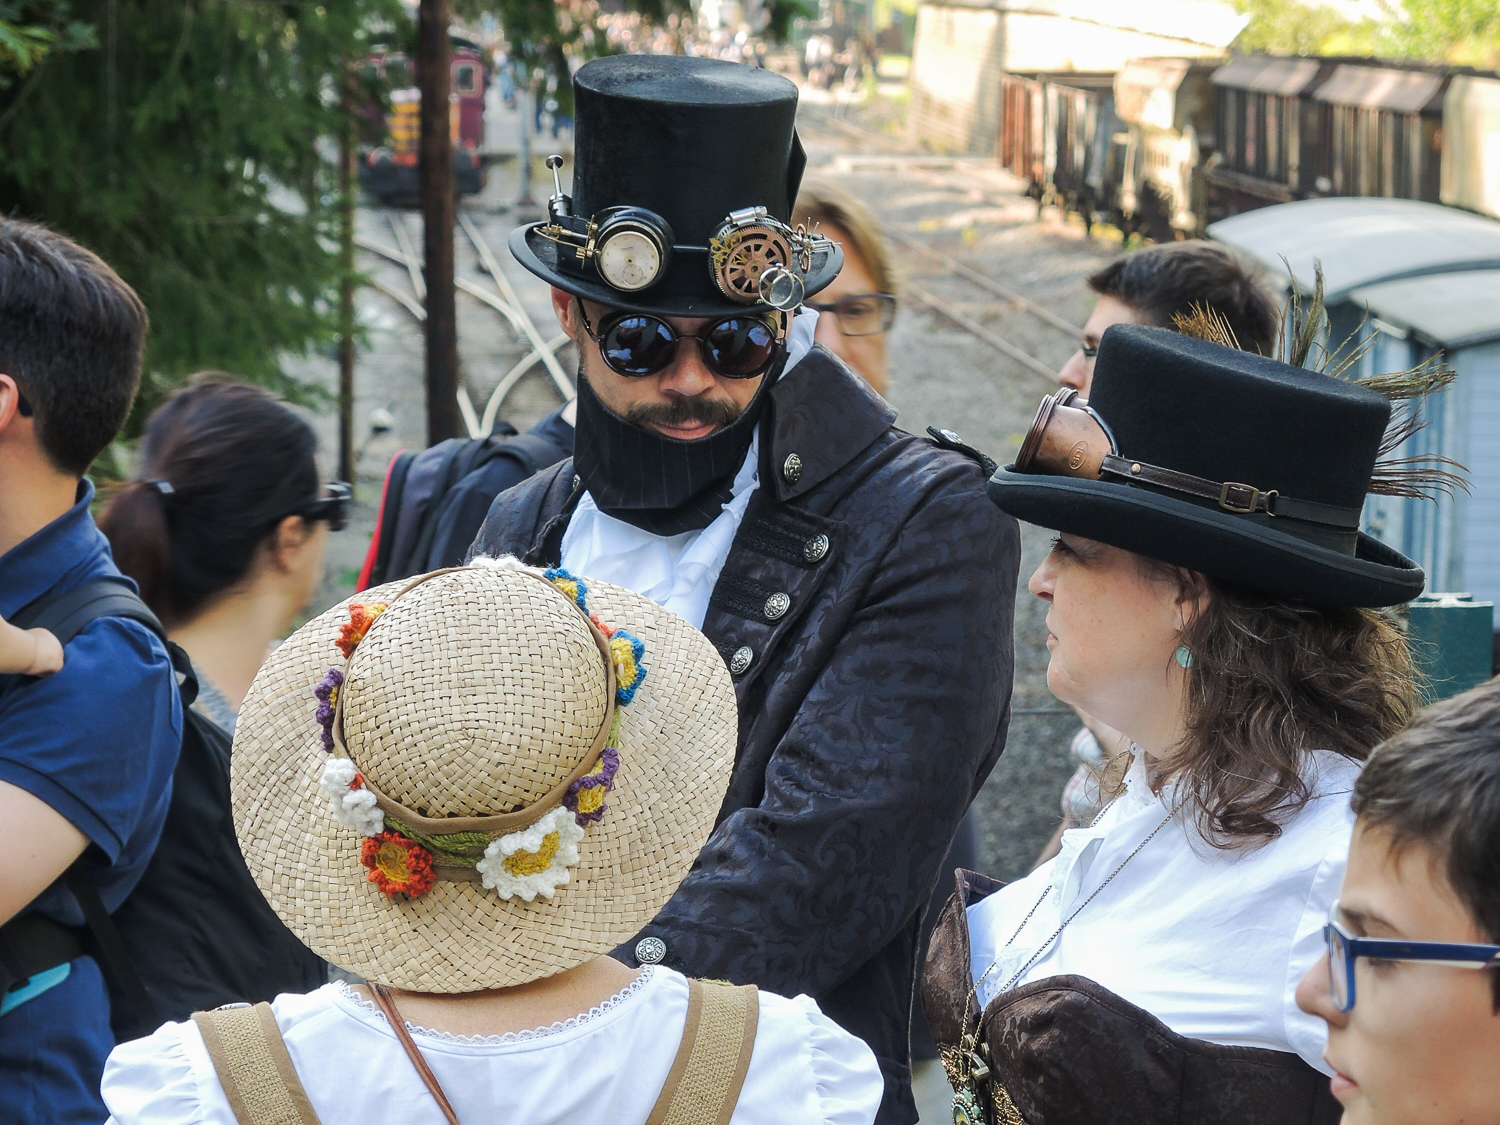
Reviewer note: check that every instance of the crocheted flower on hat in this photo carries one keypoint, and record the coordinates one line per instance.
(626, 651)
(534, 861)
(353, 805)
(327, 695)
(585, 797)
(569, 585)
(361, 617)
(398, 865)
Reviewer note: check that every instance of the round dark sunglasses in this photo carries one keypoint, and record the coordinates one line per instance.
(637, 344)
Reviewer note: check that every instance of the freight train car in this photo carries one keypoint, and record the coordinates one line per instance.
(1185, 142)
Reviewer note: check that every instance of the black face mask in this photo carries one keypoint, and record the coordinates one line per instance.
(657, 483)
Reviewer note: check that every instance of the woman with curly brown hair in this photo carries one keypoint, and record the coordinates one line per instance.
(1231, 631)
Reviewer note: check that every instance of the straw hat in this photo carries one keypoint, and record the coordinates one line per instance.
(481, 701)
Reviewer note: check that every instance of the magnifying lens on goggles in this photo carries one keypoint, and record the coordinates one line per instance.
(1066, 439)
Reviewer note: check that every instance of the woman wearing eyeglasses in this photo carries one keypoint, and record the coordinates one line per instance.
(1210, 596)
(224, 531)
(859, 306)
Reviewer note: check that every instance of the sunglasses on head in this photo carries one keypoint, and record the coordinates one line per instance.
(738, 346)
(333, 508)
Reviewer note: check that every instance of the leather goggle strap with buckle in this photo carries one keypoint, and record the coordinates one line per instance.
(1242, 499)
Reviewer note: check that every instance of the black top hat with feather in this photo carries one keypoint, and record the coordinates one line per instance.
(1242, 467)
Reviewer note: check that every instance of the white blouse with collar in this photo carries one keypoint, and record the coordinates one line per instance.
(604, 1066)
(1210, 942)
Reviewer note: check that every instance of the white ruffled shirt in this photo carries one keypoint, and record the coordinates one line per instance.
(1210, 942)
(677, 572)
(606, 1066)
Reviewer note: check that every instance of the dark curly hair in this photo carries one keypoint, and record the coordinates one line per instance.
(1272, 679)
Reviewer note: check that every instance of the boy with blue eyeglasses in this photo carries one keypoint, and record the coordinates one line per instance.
(1410, 985)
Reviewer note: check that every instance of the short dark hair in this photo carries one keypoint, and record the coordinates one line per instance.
(1437, 783)
(238, 461)
(1159, 282)
(72, 340)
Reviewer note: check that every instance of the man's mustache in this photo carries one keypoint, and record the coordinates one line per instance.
(698, 410)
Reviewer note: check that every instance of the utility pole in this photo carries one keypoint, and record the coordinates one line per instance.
(523, 149)
(435, 165)
(347, 156)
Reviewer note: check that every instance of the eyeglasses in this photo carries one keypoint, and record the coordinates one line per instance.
(1344, 949)
(863, 314)
(333, 508)
(638, 344)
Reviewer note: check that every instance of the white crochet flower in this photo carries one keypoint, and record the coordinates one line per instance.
(353, 805)
(535, 861)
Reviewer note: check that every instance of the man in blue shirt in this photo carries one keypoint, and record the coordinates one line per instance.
(86, 755)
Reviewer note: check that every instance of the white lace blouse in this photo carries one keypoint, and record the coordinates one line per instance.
(605, 1066)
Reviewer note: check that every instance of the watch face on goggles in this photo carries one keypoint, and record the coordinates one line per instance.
(629, 259)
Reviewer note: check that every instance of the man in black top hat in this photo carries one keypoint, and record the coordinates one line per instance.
(855, 580)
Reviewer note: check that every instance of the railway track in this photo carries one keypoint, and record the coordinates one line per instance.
(504, 301)
(909, 165)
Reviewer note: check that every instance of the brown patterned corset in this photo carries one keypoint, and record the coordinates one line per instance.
(1064, 1051)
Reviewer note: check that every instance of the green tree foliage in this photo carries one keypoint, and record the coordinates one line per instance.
(1463, 32)
(191, 151)
(30, 30)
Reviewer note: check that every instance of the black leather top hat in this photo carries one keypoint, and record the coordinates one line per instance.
(1228, 463)
(673, 157)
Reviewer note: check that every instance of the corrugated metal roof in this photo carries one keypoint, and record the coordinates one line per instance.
(1374, 87)
(1362, 241)
(1267, 74)
(1456, 310)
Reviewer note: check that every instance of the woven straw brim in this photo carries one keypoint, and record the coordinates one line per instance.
(677, 746)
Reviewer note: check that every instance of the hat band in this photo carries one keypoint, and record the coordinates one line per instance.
(1241, 499)
(500, 823)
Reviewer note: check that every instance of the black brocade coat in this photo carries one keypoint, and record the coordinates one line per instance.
(865, 611)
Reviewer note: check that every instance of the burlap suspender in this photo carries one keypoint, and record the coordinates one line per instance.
(702, 1088)
(254, 1067)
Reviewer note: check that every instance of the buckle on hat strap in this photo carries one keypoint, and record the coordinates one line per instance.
(1240, 499)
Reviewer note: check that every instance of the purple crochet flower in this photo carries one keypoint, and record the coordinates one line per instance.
(327, 696)
(585, 797)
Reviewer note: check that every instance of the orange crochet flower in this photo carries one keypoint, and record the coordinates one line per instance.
(397, 865)
(361, 617)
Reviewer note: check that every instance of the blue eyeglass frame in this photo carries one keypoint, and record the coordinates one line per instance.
(1344, 950)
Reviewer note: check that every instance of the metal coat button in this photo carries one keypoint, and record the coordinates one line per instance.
(777, 605)
(740, 662)
(650, 951)
(815, 548)
(791, 468)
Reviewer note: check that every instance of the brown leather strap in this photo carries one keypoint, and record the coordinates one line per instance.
(704, 1084)
(398, 1025)
(254, 1067)
(1242, 499)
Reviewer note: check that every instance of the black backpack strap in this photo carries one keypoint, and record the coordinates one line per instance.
(534, 452)
(67, 615)
(108, 943)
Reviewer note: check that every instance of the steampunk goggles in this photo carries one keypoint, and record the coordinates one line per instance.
(752, 257)
(1068, 438)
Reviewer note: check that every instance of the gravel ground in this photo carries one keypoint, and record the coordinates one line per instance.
(940, 375)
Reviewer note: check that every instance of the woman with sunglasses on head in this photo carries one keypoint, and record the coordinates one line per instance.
(224, 531)
(1210, 596)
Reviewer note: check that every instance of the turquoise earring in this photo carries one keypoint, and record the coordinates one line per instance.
(1184, 656)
